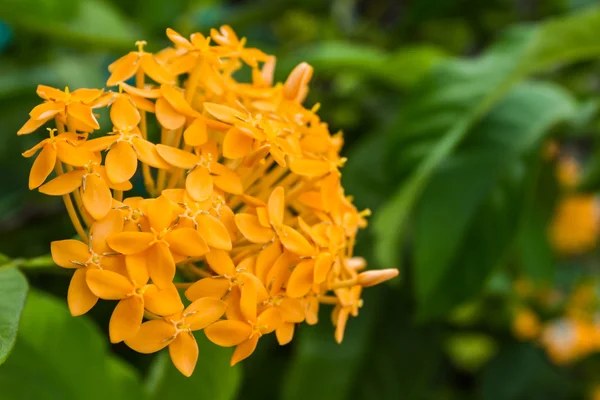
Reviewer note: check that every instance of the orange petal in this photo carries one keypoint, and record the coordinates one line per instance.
(179, 40)
(265, 260)
(162, 301)
(223, 113)
(42, 167)
(75, 156)
(31, 125)
(276, 206)
(311, 311)
(208, 287)
(214, 232)
(124, 114)
(85, 95)
(63, 184)
(184, 353)
(79, 297)
(153, 336)
(340, 325)
(263, 216)
(232, 299)
(168, 117)
(109, 285)
(187, 242)
(154, 70)
(160, 213)
(256, 155)
(322, 267)
(227, 180)
(280, 271)
(177, 101)
(121, 163)
(147, 153)
(252, 230)
(297, 80)
(228, 333)
(176, 157)
(244, 350)
(50, 93)
(291, 310)
(84, 115)
(137, 268)
(203, 312)
(248, 300)
(285, 333)
(47, 110)
(101, 143)
(199, 184)
(101, 229)
(220, 262)
(295, 242)
(123, 69)
(236, 144)
(124, 186)
(126, 319)
(66, 251)
(308, 167)
(196, 134)
(130, 242)
(161, 265)
(269, 320)
(301, 279)
(96, 197)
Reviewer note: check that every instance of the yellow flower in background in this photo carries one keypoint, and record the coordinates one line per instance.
(245, 210)
(575, 227)
(526, 324)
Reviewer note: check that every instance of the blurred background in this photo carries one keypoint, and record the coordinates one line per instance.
(471, 129)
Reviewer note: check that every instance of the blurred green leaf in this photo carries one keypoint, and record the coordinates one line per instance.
(364, 175)
(456, 95)
(13, 290)
(61, 357)
(322, 368)
(535, 253)
(403, 358)
(88, 22)
(521, 372)
(213, 378)
(446, 249)
(401, 69)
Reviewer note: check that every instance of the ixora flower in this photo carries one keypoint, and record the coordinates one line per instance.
(245, 215)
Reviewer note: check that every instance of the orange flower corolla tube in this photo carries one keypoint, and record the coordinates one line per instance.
(245, 213)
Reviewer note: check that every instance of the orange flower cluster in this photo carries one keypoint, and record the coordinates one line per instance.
(245, 213)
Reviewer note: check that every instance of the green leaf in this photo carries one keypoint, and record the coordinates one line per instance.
(443, 109)
(455, 249)
(318, 358)
(401, 69)
(58, 356)
(521, 372)
(213, 378)
(363, 175)
(403, 359)
(94, 22)
(535, 253)
(13, 290)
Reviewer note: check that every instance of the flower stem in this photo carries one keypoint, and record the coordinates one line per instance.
(148, 180)
(70, 209)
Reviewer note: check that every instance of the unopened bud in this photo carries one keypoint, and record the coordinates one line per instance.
(297, 82)
(375, 277)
